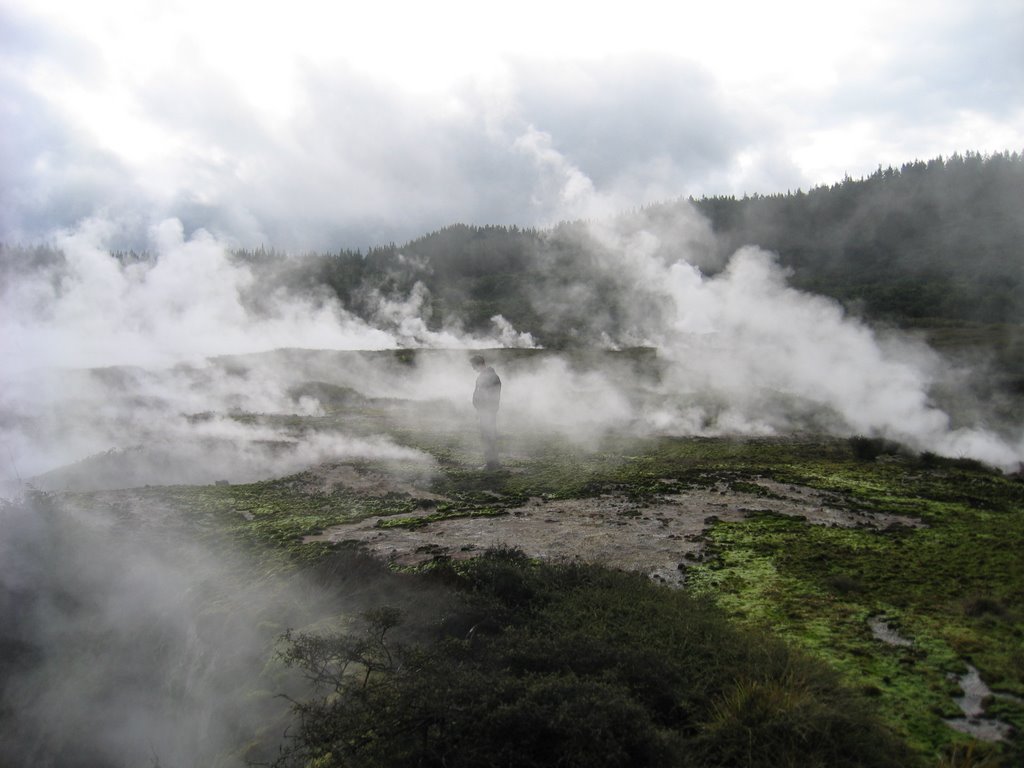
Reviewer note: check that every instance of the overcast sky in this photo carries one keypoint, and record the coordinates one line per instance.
(307, 124)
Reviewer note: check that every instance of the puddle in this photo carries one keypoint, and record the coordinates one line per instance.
(882, 631)
(975, 692)
(972, 704)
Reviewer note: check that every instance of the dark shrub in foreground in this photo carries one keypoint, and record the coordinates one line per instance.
(575, 666)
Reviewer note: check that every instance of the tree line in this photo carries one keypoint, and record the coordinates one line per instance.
(929, 242)
(936, 241)
(942, 239)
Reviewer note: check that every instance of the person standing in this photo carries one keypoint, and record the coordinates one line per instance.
(486, 398)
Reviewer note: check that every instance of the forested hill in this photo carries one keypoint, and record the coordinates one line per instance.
(929, 243)
(936, 239)
(941, 240)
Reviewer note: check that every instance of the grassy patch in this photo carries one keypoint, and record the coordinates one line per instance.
(954, 588)
(442, 513)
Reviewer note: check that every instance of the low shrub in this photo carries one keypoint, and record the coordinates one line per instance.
(870, 448)
(575, 665)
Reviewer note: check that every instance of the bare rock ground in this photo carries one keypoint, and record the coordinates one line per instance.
(656, 537)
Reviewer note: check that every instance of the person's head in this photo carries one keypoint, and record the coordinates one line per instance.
(477, 362)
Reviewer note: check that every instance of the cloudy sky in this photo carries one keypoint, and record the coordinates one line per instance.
(322, 125)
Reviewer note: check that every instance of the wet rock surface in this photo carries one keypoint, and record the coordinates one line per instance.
(882, 631)
(975, 696)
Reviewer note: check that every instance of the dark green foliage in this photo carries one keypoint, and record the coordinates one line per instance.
(936, 239)
(870, 448)
(576, 666)
(844, 584)
(931, 240)
(923, 245)
(952, 587)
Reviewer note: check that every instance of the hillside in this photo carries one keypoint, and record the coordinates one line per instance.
(942, 239)
(931, 245)
(928, 244)
(737, 522)
(761, 601)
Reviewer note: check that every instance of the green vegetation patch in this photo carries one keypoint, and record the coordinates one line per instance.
(442, 513)
(953, 589)
(270, 518)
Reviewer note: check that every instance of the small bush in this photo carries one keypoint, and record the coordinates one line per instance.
(980, 605)
(870, 448)
(844, 584)
(790, 721)
(968, 756)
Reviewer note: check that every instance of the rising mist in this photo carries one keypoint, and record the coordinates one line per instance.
(184, 368)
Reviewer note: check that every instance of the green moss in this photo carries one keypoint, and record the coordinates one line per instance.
(954, 587)
(782, 574)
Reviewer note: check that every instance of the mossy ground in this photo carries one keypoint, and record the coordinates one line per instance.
(954, 587)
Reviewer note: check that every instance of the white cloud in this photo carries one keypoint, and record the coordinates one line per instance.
(317, 126)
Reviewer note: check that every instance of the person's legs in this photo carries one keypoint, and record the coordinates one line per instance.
(489, 436)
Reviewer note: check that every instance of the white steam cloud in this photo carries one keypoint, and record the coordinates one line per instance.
(119, 653)
(160, 320)
(117, 360)
(740, 352)
(188, 303)
(750, 354)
